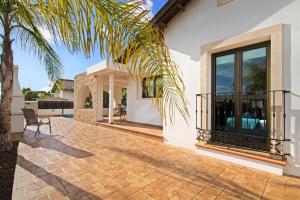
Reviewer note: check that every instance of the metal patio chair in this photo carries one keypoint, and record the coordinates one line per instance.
(32, 120)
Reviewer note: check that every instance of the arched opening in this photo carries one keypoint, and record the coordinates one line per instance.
(88, 102)
(85, 98)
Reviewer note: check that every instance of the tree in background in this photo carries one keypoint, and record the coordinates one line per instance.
(30, 95)
(255, 78)
(27, 93)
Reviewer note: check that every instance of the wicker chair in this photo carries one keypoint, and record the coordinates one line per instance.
(32, 120)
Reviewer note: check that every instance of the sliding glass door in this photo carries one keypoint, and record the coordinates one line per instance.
(240, 84)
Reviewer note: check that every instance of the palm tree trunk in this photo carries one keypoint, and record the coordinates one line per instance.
(8, 149)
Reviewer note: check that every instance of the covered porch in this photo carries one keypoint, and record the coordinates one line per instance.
(112, 80)
(98, 93)
(101, 99)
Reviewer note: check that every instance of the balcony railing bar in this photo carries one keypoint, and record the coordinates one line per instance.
(274, 115)
(254, 98)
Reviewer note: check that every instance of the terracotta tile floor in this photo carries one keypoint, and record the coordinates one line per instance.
(79, 161)
(144, 130)
(156, 130)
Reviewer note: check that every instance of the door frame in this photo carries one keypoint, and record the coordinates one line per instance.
(238, 85)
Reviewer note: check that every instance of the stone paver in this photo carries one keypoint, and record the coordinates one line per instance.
(80, 161)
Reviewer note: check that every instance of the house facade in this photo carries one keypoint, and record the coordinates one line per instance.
(112, 79)
(66, 91)
(60, 104)
(240, 68)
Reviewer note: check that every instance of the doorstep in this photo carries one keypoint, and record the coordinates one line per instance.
(142, 130)
(253, 159)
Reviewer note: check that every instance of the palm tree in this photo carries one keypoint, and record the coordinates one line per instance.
(119, 29)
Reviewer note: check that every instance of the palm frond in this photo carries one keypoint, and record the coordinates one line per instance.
(121, 30)
(146, 54)
(26, 24)
(34, 42)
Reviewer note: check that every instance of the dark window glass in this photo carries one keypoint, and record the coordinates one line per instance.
(225, 73)
(254, 70)
(254, 116)
(152, 87)
(224, 115)
(225, 85)
(254, 84)
(105, 99)
(239, 94)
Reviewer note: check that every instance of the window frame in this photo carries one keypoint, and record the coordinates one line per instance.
(146, 94)
(239, 97)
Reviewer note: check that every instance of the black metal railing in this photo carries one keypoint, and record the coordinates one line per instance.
(253, 120)
(55, 105)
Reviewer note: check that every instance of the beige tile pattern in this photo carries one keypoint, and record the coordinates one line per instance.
(81, 161)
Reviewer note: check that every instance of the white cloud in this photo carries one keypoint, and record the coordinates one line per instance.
(149, 6)
(47, 89)
(47, 35)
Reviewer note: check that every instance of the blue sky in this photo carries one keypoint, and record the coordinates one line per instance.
(32, 73)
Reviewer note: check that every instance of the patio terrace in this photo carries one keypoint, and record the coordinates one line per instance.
(80, 161)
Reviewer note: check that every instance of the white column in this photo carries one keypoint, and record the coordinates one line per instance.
(100, 98)
(118, 91)
(111, 99)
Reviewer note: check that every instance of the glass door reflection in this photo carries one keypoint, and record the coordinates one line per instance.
(254, 92)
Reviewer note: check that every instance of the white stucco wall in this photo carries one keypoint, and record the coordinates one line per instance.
(54, 112)
(17, 118)
(140, 109)
(58, 93)
(203, 22)
(66, 94)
